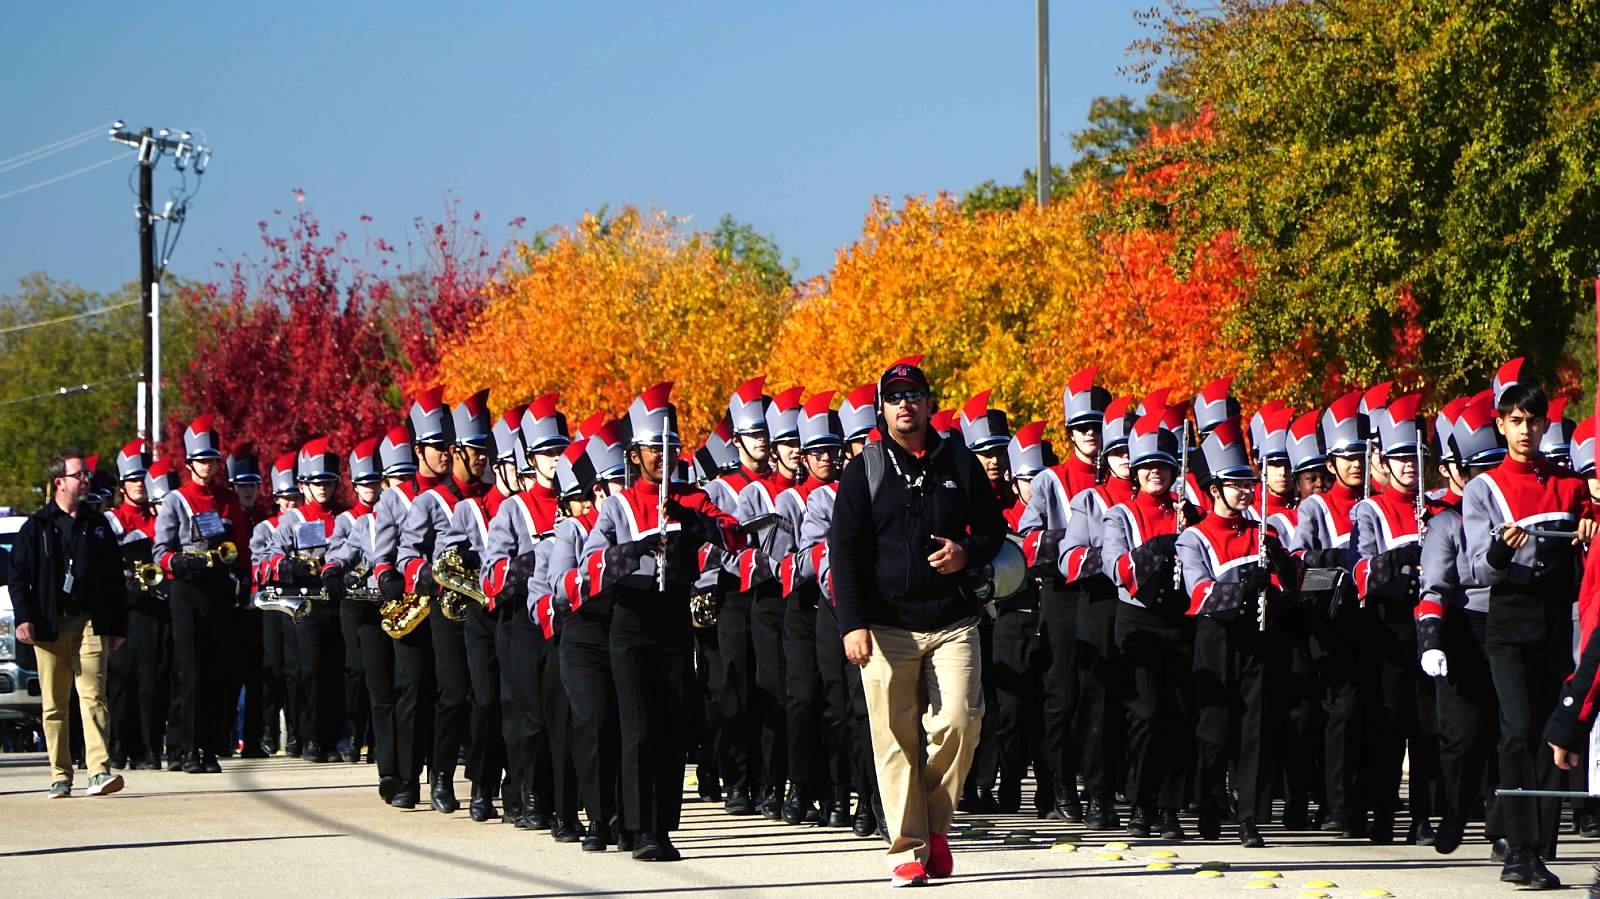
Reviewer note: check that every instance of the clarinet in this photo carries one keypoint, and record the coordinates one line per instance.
(1183, 500)
(1420, 509)
(661, 510)
(1261, 551)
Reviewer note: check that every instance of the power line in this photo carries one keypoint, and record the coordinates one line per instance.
(70, 389)
(52, 147)
(67, 318)
(72, 174)
(45, 153)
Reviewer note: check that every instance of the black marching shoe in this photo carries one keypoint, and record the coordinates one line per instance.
(597, 839)
(1448, 838)
(771, 806)
(119, 756)
(482, 807)
(388, 786)
(351, 754)
(1139, 822)
(444, 794)
(208, 762)
(524, 807)
(653, 848)
(1540, 877)
(1102, 816)
(192, 763)
(152, 760)
(1249, 837)
(839, 809)
(406, 794)
(1499, 849)
(739, 803)
(1517, 869)
(1209, 825)
(865, 823)
(510, 802)
(1171, 827)
(176, 759)
(986, 803)
(797, 809)
(625, 840)
(1333, 821)
(311, 751)
(1421, 833)
(269, 743)
(291, 747)
(567, 831)
(1382, 829)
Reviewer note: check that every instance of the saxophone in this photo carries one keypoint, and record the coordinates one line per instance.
(399, 617)
(457, 583)
(273, 599)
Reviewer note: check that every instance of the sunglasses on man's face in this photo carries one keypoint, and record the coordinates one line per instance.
(83, 475)
(904, 396)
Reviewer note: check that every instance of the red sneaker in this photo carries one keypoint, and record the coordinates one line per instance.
(910, 874)
(940, 864)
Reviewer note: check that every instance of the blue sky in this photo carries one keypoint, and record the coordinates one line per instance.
(790, 116)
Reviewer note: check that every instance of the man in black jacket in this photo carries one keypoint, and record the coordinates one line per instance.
(68, 590)
(906, 524)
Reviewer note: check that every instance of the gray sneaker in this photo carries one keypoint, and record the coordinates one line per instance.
(61, 789)
(104, 784)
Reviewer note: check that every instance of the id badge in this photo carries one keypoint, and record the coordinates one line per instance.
(209, 524)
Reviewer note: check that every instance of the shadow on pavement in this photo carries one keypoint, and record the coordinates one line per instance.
(161, 844)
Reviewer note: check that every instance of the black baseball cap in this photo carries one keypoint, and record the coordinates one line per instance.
(902, 376)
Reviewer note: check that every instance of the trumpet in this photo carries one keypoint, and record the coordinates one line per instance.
(453, 576)
(224, 554)
(148, 574)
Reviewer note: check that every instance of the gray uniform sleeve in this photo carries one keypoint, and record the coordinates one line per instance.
(1441, 576)
(1116, 541)
(1196, 563)
(1479, 518)
(172, 523)
(813, 530)
(1080, 545)
(1046, 505)
(540, 583)
(1366, 534)
(344, 547)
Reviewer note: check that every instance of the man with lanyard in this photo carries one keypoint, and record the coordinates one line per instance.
(1388, 538)
(1239, 662)
(431, 528)
(1533, 584)
(1322, 541)
(1452, 614)
(368, 650)
(1098, 726)
(193, 523)
(1050, 510)
(299, 550)
(351, 546)
(414, 681)
(140, 671)
(650, 625)
(595, 471)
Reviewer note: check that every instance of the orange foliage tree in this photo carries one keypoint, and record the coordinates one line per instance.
(607, 307)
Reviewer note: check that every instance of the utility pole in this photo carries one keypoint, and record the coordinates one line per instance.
(151, 146)
(1044, 102)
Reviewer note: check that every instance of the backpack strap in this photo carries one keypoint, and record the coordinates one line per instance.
(872, 456)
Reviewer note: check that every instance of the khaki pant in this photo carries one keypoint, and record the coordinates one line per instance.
(925, 703)
(77, 655)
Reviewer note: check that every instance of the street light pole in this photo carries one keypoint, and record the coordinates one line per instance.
(1044, 101)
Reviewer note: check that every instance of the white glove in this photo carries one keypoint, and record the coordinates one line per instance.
(1434, 664)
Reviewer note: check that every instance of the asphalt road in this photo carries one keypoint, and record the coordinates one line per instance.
(284, 827)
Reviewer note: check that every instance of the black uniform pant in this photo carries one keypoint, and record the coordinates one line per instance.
(1020, 661)
(1238, 689)
(556, 712)
(803, 700)
(650, 658)
(200, 611)
(1158, 650)
(140, 680)
(986, 758)
(1468, 726)
(709, 674)
(1098, 723)
(321, 674)
(486, 749)
(743, 706)
(843, 745)
(1301, 733)
(1393, 689)
(245, 675)
(280, 674)
(585, 654)
(517, 641)
(1529, 644)
(357, 701)
(766, 637)
(1334, 643)
(452, 706)
(413, 705)
(375, 651)
(1058, 615)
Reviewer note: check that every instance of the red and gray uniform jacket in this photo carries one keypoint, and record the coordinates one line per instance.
(1525, 494)
(427, 528)
(793, 570)
(518, 526)
(1447, 586)
(1384, 531)
(135, 527)
(755, 565)
(630, 517)
(289, 540)
(1044, 523)
(557, 587)
(1136, 557)
(195, 518)
(389, 516)
(1079, 553)
(350, 547)
(1322, 535)
(1215, 553)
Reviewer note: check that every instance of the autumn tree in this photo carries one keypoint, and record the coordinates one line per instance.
(601, 309)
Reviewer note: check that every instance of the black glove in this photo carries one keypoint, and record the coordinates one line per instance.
(634, 551)
(352, 578)
(1324, 558)
(622, 560)
(426, 585)
(697, 528)
(1395, 571)
(1153, 561)
(470, 559)
(1430, 634)
(1224, 601)
(1254, 578)
(1047, 554)
(1500, 554)
(188, 568)
(391, 586)
(520, 568)
(333, 582)
(297, 573)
